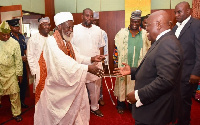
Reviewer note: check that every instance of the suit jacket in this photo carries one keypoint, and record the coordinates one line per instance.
(190, 42)
(158, 82)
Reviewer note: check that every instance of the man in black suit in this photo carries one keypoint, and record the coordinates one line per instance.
(187, 31)
(156, 95)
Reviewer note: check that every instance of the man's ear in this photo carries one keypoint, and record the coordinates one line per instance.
(158, 25)
(188, 11)
(82, 16)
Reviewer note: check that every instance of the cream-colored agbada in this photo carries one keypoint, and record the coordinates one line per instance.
(124, 85)
(63, 99)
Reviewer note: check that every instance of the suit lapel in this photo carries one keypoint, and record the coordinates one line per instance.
(187, 25)
(149, 51)
(152, 47)
(175, 28)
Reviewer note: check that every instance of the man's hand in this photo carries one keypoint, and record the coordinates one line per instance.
(131, 97)
(24, 58)
(20, 79)
(105, 67)
(98, 58)
(95, 70)
(122, 71)
(194, 79)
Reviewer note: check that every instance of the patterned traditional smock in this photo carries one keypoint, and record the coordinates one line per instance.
(131, 50)
(10, 66)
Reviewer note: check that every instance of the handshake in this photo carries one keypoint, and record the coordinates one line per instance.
(93, 68)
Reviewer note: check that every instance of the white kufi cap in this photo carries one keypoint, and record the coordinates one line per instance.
(62, 17)
(44, 19)
(95, 15)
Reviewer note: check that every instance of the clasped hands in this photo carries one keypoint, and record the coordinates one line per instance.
(93, 68)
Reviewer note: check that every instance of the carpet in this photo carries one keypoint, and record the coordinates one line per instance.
(111, 117)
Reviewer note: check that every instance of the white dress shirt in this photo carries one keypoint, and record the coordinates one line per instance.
(180, 26)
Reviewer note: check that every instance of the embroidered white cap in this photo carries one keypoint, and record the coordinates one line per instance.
(95, 15)
(62, 17)
(44, 19)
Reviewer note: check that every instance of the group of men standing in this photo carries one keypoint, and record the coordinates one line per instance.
(166, 74)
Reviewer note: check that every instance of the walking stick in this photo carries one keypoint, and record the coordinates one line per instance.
(111, 85)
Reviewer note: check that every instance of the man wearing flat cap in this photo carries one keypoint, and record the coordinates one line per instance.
(135, 39)
(15, 34)
(11, 69)
(35, 45)
(61, 95)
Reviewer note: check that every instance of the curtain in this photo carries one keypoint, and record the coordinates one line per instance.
(196, 8)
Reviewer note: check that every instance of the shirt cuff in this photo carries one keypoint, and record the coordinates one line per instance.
(87, 60)
(85, 67)
(138, 103)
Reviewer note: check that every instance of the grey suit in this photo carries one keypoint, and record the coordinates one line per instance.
(158, 81)
(190, 42)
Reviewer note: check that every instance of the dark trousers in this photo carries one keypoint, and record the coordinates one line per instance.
(186, 103)
(23, 86)
(139, 123)
(122, 105)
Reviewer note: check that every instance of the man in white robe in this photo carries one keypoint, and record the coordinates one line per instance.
(35, 45)
(88, 39)
(61, 95)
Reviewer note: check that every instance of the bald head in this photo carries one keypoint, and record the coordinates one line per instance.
(162, 18)
(182, 11)
(157, 22)
(184, 4)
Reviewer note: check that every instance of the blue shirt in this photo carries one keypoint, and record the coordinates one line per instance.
(21, 42)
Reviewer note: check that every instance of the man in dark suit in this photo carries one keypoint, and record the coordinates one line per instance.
(187, 31)
(156, 95)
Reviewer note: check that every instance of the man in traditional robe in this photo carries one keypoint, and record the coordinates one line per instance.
(61, 95)
(131, 46)
(35, 45)
(88, 39)
(11, 69)
(15, 34)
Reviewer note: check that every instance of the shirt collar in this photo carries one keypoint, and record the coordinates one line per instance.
(163, 33)
(184, 22)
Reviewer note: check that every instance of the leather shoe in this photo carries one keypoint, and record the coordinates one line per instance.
(24, 105)
(97, 113)
(101, 102)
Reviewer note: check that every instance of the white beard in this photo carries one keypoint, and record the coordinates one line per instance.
(66, 38)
